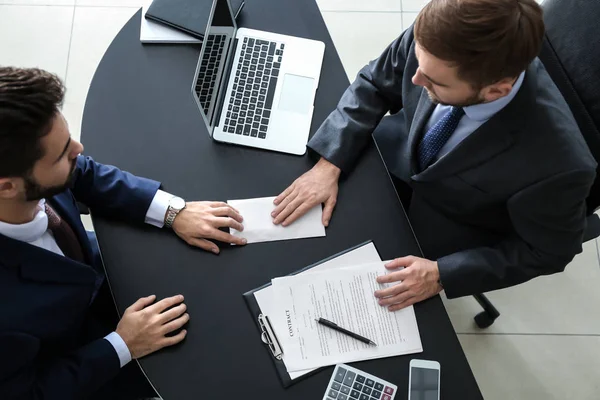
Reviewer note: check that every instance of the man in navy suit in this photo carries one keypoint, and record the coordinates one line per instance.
(60, 337)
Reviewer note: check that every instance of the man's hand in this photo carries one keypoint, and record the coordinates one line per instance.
(419, 280)
(201, 220)
(319, 185)
(144, 326)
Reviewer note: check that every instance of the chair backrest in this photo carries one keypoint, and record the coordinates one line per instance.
(571, 54)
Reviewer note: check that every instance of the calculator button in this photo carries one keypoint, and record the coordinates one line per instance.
(360, 379)
(364, 397)
(379, 386)
(342, 397)
(354, 394)
(370, 382)
(386, 397)
(349, 379)
(376, 394)
(339, 375)
(336, 386)
(388, 390)
(367, 390)
(345, 389)
(333, 394)
(357, 386)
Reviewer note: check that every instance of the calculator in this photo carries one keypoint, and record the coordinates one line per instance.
(349, 383)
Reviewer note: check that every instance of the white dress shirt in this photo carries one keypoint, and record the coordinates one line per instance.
(37, 233)
(474, 117)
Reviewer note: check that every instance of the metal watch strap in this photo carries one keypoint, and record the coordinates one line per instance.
(171, 214)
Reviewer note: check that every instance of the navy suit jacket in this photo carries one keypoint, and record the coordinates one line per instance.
(46, 349)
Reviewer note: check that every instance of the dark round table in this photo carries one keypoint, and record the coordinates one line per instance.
(140, 116)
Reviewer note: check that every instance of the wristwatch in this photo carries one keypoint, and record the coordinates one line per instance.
(176, 204)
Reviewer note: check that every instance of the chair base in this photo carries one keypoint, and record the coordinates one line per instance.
(486, 318)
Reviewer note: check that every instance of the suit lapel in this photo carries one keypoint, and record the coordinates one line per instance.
(41, 265)
(492, 138)
(422, 114)
(64, 205)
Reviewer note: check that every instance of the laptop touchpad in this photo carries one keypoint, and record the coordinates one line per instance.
(297, 94)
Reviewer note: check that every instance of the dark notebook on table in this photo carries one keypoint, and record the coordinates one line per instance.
(190, 16)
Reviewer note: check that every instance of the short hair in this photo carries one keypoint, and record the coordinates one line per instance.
(487, 40)
(30, 100)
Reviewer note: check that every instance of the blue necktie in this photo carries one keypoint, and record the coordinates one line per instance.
(437, 136)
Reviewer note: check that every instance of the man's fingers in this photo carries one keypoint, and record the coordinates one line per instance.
(282, 206)
(218, 204)
(226, 237)
(225, 222)
(397, 299)
(289, 210)
(172, 313)
(283, 194)
(391, 291)
(228, 212)
(175, 324)
(170, 341)
(298, 212)
(400, 262)
(204, 245)
(165, 303)
(328, 210)
(394, 276)
(142, 303)
(407, 303)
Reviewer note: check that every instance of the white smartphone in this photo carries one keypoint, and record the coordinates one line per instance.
(424, 380)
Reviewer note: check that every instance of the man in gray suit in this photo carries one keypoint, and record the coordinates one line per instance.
(496, 168)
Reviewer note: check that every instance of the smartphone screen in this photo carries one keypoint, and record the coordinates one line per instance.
(424, 383)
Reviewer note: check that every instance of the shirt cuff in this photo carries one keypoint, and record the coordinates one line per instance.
(120, 347)
(158, 209)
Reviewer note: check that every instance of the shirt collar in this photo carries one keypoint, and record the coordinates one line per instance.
(28, 232)
(483, 112)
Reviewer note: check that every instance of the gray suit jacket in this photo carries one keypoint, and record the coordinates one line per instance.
(504, 206)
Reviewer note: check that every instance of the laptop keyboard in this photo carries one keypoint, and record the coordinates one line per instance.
(251, 101)
(207, 77)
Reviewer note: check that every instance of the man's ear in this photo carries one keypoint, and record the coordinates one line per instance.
(498, 90)
(9, 188)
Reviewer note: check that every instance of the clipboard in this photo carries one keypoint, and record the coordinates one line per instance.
(267, 334)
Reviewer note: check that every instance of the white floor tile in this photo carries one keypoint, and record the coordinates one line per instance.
(35, 36)
(413, 5)
(359, 5)
(408, 18)
(564, 303)
(534, 367)
(40, 2)
(110, 3)
(361, 37)
(94, 28)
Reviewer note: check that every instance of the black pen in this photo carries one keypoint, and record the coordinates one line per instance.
(338, 328)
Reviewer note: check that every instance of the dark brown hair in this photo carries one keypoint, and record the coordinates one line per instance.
(487, 40)
(30, 100)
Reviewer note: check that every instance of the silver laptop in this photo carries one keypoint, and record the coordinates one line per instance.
(256, 88)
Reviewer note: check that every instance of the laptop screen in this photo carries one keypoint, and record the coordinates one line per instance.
(213, 68)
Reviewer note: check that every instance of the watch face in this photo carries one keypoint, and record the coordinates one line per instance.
(177, 203)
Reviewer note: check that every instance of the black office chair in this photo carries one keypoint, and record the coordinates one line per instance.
(570, 54)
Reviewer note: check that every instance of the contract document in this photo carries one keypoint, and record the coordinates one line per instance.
(344, 296)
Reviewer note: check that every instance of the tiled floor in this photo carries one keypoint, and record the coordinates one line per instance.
(546, 344)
